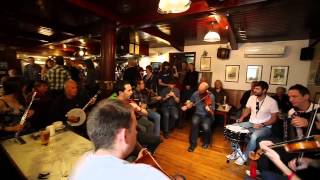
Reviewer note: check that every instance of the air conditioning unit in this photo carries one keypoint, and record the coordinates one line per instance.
(268, 51)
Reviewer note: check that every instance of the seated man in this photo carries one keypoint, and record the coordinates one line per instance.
(124, 91)
(263, 110)
(145, 97)
(67, 101)
(169, 106)
(204, 102)
(299, 121)
(112, 129)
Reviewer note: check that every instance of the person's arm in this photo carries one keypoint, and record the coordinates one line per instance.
(162, 83)
(275, 158)
(244, 114)
(176, 96)
(304, 163)
(271, 121)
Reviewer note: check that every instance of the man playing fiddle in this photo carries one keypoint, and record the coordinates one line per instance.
(300, 117)
(204, 102)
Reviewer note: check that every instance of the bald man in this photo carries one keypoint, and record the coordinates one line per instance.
(204, 101)
(67, 101)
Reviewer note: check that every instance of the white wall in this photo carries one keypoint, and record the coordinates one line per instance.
(298, 70)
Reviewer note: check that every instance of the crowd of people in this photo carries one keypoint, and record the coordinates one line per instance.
(144, 104)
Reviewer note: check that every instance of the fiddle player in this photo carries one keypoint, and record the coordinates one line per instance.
(112, 129)
(300, 117)
(204, 102)
(123, 90)
(263, 110)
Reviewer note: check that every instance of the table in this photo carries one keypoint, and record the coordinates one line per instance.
(57, 158)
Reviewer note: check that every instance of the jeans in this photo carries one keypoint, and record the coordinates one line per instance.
(170, 116)
(256, 133)
(205, 123)
(155, 117)
(145, 125)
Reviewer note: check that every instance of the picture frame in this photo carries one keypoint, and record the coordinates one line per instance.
(279, 75)
(232, 73)
(205, 64)
(254, 73)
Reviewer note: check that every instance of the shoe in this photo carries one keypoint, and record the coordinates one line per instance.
(248, 172)
(191, 148)
(232, 156)
(205, 146)
(241, 160)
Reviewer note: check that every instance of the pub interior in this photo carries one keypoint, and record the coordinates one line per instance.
(61, 59)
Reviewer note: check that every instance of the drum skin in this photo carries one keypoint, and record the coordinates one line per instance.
(233, 133)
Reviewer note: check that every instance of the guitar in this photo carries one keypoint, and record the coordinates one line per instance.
(79, 113)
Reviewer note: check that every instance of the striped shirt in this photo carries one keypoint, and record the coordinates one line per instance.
(56, 77)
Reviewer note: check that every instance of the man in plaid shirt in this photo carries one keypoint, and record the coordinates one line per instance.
(57, 76)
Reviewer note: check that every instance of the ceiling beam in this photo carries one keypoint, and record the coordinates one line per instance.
(96, 9)
(177, 43)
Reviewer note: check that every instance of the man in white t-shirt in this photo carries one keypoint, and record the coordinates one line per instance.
(263, 110)
(112, 127)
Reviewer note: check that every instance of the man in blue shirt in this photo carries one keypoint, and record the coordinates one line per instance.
(204, 101)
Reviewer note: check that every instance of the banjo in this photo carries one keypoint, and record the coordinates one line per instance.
(79, 113)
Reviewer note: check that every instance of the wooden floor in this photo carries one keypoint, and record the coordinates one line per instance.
(209, 163)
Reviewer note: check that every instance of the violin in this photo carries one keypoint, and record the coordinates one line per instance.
(310, 144)
(207, 101)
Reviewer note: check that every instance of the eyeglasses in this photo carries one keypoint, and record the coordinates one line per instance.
(257, 107)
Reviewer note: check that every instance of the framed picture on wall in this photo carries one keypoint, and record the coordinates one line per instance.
(232, 73)
(279, 75)
(254, 73)
(205, 64)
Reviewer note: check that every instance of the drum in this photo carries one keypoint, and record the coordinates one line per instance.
(234, 132)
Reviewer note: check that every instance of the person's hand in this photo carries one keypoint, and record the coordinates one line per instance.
(299, 122)
(273, 155)
(140, 155)
(304, 163)
(73, 119)
(143, 105)
(257, 126)
(30, 113)
(171, 94)
(208, 109)
(158, 98)
(93, 101)
(17, 128)
(184, 108)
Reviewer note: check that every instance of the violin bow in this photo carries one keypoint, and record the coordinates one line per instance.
(298, 162)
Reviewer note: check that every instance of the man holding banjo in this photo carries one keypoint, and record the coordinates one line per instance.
(70, 107)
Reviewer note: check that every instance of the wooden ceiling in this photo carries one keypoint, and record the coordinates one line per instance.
(75, 21)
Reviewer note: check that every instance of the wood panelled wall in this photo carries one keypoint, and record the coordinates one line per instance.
(234, 97)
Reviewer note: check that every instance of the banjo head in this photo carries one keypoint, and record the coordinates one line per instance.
(77, 112)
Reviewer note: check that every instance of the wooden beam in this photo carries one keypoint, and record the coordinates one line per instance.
(177, 43)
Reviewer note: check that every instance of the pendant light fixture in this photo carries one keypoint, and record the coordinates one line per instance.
(211, 36)
(173, 6)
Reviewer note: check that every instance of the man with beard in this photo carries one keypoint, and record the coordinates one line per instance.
(263, 110)
(203, 115)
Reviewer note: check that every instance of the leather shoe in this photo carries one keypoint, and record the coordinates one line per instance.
(205, 146)
(191, 148)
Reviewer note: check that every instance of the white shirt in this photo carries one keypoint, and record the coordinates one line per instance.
(92, 166)
(267, 106)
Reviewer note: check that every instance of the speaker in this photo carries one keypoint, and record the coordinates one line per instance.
(306, 54)
(223, 53)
